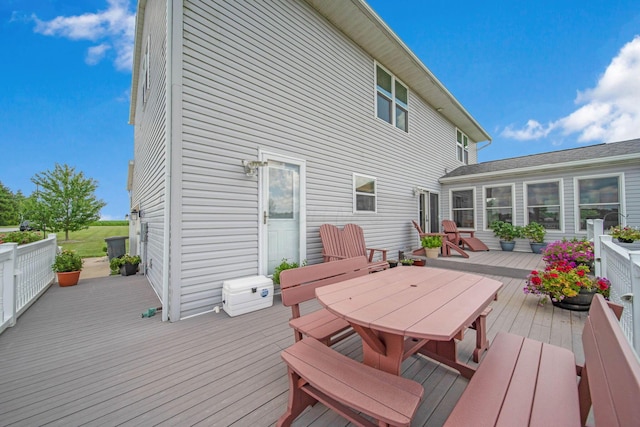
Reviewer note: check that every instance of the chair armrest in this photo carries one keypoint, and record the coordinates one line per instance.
(373, 250)
(332, 257)
(470, 233)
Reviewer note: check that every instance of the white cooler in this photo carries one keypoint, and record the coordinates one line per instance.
(247, 294)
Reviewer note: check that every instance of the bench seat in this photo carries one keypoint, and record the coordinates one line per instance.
(342, 383)
(322, 325)
(520, 382)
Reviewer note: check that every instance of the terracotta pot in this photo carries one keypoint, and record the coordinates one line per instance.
(70, 278)
(418, 262)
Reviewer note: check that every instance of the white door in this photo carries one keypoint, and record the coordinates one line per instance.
(283, 212)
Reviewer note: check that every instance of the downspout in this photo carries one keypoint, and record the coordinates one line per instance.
(484, 146)
(167, 176)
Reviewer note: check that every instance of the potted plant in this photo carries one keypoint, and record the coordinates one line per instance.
(535, 233)
(506, 232)
(431, 245)
(625, 234)
(568, 286)
(406, 261)
(285, 265)
(67, 266)
(392, 263)
(575, 252)
(126, 264)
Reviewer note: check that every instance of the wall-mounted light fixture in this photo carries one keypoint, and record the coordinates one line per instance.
(251, 166)
(417, 190)
(439, 109)
(135, 214)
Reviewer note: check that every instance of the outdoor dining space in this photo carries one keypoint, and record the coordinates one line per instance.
(88, 358)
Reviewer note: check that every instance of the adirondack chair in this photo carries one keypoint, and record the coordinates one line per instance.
(447, 245)
(454, 236)
(349, 243)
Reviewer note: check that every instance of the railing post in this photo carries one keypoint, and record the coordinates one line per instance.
(601, 256)
(9, 285)
(634, 259)
(598, 232)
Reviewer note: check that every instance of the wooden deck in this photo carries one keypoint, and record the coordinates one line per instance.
(84, 356)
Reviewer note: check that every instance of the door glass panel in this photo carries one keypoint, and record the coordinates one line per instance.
(283, 214)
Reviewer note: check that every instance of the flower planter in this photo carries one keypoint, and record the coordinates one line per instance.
(537, 248)
(580, 302)
(70, 278)
(507, 246)
(432, 252)
(418, 262)
(630, 245)
(128, 269)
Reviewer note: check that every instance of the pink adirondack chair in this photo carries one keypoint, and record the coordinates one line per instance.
(332, 243)
(455, 236)
(355, 245)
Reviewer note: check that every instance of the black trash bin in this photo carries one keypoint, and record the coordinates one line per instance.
(116, 246)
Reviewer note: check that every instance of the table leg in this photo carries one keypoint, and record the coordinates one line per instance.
(389, 360)
(447, 352)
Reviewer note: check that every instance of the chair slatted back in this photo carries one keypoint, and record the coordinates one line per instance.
(332, 242)
(354, 242)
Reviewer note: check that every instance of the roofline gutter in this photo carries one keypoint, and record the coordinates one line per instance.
(510, 172)
(135, 67)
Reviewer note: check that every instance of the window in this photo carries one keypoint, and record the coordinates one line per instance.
(364, 193)
(597, 198)
(462, 208)
(462, 147)
(543, 204)
(146, 76)
(392, 100)
(499, 204)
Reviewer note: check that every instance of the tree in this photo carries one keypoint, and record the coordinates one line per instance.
(65, 200)
(8, 207)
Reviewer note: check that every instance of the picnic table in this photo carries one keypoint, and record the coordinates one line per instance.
(404, 310)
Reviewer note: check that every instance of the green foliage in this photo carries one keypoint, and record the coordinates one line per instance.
(65, 200)
(406, 261)
(534, 232)
(67, 261)
(90, 242)
(505, 230)
(10, 206)
(284, 265)
(431, 241)
(20, 237)
(116, 263)
(110, 223)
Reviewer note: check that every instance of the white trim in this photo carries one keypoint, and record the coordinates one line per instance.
(464, 149)
(475, 207)
(265, 156)
(576, 197)
(525, 201)
(354, 193)
(565, 166)
(485, 221)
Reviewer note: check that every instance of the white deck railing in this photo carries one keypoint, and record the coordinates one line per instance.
(25, 273)
(622, 267)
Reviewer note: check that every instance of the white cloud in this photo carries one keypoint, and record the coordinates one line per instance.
(114, 28)
(610, 111)
(96, 53)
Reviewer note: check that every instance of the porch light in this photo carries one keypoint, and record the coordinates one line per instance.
(251, 166)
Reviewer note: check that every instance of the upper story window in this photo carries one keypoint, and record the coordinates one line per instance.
(543, 204)
(392, 100)
(462, 147)
(499, 204)
(599, 197)
(462, 208)
(364, 193)
(146, 75)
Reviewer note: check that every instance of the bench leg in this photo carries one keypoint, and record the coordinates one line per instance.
(482, 343)
(298, 400)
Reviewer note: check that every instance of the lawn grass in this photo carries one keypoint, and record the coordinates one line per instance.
(89, 243)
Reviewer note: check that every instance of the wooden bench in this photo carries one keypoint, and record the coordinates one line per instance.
(523, 382)
(319, 373)
(299, 285)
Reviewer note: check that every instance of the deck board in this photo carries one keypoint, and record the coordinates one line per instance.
(84, 356)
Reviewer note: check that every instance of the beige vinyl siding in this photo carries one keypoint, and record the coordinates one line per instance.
(150, 145)
(274, 76)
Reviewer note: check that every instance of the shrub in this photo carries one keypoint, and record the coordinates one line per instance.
(285, 265)
(66, 261)
(505, 230)
(20, 237)
(431, 242)
(534, 232)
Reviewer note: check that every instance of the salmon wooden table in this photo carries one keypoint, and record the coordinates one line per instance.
(404, 310)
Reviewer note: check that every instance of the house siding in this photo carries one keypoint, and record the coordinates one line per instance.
(148, 188)
(277, 77)
(630, 183)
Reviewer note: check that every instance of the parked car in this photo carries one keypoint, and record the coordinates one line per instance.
(27, 226)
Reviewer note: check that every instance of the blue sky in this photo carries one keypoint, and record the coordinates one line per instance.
(538, 76)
